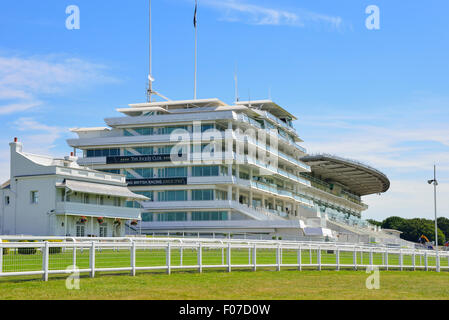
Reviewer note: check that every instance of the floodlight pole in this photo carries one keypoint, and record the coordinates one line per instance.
(435, 183)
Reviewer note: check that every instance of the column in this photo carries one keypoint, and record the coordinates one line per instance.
(250, 198)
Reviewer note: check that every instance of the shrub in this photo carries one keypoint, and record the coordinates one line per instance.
(54, 250)
(27, 250)
(5, 250)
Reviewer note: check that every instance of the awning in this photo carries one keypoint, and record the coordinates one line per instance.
(103, 189)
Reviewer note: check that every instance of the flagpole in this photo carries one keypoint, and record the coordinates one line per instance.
(196, 48)
(150, 78)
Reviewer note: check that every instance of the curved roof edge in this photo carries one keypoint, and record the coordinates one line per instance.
(359, 177)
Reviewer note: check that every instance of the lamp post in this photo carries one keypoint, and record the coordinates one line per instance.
(435, 183)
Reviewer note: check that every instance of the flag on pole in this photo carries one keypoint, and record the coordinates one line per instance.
(195, 16)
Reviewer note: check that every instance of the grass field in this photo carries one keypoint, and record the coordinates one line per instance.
(267, 284)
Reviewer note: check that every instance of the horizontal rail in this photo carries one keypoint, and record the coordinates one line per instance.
(18, 258)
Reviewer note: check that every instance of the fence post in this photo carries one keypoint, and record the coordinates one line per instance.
(414, 260)
(222, 255)
(386, 258)
(337, 252)
(255, 257)
(319, 258)
(354, 258)
(181, 252)
(249, 256)
(200, 258)
(299, 258)
(278, 257)
(1, 255)
(45, 254)
(133, 259)
(74, 255)
(92, 260)
(426, 262)
(371, 258)
(168, 258)
(400, 260)
(229, 256)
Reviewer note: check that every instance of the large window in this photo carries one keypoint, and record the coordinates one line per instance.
(114, 171)
(142, 172)
(209, 216)
(202, 195)
(208, 171)
(172, 216)
(147, 217)
(102, 153)
(152, 130)
(178, 195)
(173, 172)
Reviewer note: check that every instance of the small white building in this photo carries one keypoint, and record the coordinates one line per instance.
(57, 197)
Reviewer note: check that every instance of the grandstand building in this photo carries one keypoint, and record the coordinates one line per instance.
(207, 166)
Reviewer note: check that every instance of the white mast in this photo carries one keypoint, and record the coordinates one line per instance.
(196, 42)
(150, 90)
(150, 77)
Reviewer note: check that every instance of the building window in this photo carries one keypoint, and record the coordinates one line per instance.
(146, 217)
(202, 195)
(117, 202)
(102, 153)
(172, 216)
(80, 230)
(34, 197)
(103, 230)
(7, 200)
(209, 216)
(86, 199)
(180, 195)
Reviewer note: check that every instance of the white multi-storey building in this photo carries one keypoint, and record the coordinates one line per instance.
(57, 197)
(212, 167)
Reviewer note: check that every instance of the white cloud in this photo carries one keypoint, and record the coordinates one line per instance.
(404, 147)
(37, 138)
(25, 80)
(238, 11)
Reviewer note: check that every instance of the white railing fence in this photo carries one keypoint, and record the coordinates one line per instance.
(45, 258)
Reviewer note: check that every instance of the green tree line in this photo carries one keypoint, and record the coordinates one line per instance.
(412, 229)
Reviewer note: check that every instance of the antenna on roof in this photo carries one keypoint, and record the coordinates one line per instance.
(150, 90)
(236, 84)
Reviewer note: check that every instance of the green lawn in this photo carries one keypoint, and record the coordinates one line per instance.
(268, 284)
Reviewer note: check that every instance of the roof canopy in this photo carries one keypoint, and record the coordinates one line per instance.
(269, 106)
(181, 104)
(358, 177)
(103, 189)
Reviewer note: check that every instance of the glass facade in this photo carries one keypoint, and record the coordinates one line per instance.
(202, 195)
(177, 195)
(172, 216)
(210, 216)
(102, 153)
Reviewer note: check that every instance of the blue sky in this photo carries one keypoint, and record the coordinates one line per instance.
(378, 96)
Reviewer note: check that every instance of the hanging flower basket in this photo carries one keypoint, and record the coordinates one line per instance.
(83, 220)
(134, 223)
(100, 220)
